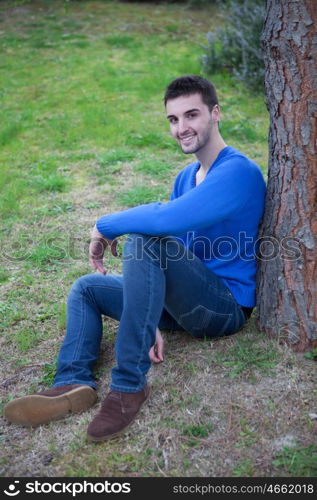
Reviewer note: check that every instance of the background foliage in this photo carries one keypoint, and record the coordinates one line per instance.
(236, 46)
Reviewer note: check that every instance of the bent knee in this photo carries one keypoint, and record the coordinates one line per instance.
(84, 282)
(136, 242)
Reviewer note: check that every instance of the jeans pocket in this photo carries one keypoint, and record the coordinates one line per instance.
(203, 322)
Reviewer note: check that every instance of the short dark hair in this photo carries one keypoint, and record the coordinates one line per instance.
(192, 84)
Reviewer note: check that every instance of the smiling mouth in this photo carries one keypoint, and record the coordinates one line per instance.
(186, 139)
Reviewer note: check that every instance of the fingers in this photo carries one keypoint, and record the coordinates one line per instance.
(159, 344)
(96, 260)
(153, 355)
(99, 267)
(96, 252)
(158, 348)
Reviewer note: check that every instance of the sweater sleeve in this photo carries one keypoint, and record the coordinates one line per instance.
(223, 192)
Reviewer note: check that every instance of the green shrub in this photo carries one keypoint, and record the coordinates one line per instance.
(189, 2)
(236, 46)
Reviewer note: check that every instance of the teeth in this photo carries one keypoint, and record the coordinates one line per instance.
(187, 139)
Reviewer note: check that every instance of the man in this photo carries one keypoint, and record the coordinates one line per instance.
(188, 264)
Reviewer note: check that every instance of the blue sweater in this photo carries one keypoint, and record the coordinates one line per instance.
(218, 219)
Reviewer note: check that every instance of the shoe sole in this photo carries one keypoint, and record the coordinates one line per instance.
(36, 410)
(110, 436)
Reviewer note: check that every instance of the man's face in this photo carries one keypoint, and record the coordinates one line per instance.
(190, 122)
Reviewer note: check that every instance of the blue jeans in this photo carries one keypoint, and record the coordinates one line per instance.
(163, 284)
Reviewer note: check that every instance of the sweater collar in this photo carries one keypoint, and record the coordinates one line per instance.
(196, 165)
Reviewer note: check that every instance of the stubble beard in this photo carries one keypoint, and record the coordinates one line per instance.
(200, 143)
(191, 151)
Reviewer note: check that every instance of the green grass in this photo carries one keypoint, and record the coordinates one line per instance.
(111, 164)
(298, 461)
(25, 339)
(150, 139)
(84, 133)
(244, 357)
(125, 41)
(116, 156)
(312, 354)
(244, 468)
(139, 194)
(195, 433)
(53, 208)
(51, 182)
(9, 313)
(61, 316)
(242, 131)
(247, 437)
(69, 89)
(49, 370)
(4, 274)
(154, 168)
(51, 249)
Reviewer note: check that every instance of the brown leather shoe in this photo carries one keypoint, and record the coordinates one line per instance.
(117, 413)
(52, 404)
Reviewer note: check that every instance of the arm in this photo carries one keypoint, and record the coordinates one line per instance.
(98, 244)
(223, 192)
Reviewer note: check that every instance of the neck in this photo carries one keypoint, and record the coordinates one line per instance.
(209, 153)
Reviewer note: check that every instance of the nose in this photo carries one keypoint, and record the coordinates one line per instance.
(182, 127)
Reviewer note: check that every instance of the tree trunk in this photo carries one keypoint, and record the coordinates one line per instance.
(287, 274)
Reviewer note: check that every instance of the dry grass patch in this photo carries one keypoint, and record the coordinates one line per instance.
(200, 421)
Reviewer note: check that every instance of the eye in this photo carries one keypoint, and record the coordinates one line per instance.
(172, 120)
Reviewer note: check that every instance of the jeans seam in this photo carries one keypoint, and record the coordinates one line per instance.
(150, 278)
(208, 313)
(80, 337)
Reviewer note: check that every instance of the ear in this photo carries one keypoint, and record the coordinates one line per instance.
(215, 114)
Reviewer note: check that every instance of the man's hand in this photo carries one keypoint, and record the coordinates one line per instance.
(97, 247)
(156, 351)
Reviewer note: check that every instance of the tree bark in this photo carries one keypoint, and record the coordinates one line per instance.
(287, 272)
